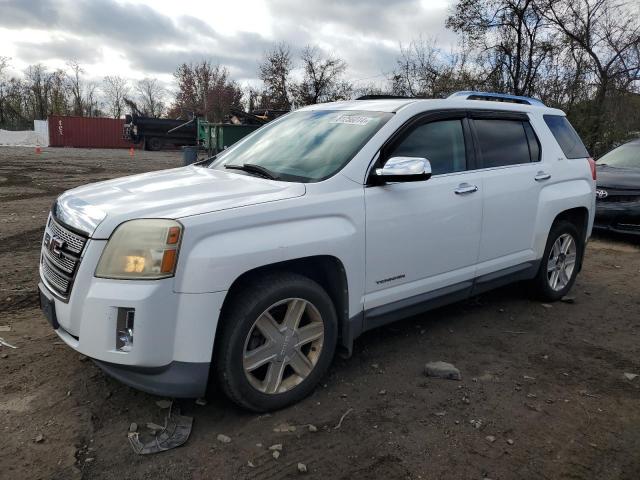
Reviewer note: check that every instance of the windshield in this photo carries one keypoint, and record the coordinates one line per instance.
(625, 156)
(304, 146)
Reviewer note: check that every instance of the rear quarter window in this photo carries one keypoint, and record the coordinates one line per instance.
(566, 136)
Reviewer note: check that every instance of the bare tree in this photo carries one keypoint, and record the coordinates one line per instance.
(423, 70)
(75, 83)
(91, 101)
(323, 78)
(205, 89)
(115, 90)
(607, 32)
(512, 38)
(151, 97)
(275, 72)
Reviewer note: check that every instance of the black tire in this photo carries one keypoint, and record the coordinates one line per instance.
(243, 309)
(541, 283)
(154, 144)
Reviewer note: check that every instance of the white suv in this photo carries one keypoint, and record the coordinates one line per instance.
(254, 267)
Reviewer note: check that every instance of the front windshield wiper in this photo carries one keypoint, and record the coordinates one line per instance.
(252, 168)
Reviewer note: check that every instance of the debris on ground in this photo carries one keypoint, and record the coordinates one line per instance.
(5, 328)
(154, 427)
(164, 403)
(546, 305)
(175, 433)
(342, 419)
(630, 376)
(568, 299)
(490, 438)
(4, 355)
(39, 438)
(510, 441)
(276, 454)
(250, 464)
(5, 344)
(201, 401)
(476, 423)
(284, 427)
(223, 438)
(442, 370)
(312, 428)
(133, 427)
(276, 448)
(302, 468)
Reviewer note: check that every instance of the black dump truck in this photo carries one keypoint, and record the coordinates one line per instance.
(158, 133)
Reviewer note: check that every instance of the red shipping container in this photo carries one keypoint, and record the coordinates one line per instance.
(86, 132)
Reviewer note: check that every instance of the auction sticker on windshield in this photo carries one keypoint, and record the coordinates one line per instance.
(351, 119)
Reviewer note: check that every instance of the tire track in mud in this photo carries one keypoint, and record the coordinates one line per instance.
(19, 301)
(28, 240)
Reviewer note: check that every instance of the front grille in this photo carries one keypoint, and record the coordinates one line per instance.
(60, 256)
(620, 198)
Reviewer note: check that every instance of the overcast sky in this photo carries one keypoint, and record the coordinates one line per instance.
(152, 37)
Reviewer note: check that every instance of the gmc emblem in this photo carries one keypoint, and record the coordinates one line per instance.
(54, 245)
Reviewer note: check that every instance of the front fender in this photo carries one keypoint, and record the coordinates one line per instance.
(220, 247)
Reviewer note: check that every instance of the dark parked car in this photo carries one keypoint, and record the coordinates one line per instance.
(618, 189)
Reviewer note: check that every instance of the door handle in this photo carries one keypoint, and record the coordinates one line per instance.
(542, 176)
(465, 188)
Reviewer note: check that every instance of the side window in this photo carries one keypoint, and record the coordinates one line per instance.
(440, 142)
(503, 142)
(566, 136)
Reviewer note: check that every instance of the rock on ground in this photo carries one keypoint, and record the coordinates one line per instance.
(442, 370)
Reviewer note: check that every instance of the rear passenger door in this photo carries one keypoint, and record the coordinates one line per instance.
(508, 154)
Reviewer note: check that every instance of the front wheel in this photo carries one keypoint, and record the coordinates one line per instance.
(560, 262)
(277, 339)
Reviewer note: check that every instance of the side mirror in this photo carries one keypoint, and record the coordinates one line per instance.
(403, 169)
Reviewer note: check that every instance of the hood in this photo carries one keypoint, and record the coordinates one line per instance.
(618, 178)
(174, 193)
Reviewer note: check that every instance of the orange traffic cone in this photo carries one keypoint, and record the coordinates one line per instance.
(131, 152)
(38, 150)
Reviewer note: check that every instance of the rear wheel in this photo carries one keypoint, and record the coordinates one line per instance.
(560, 262)
(278, 338)
(154, 144)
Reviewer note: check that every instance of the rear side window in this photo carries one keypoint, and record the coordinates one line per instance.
(566, 136)
(505, 142)
(440, 142)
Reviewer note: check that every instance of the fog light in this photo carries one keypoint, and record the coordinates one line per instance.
(124, 329)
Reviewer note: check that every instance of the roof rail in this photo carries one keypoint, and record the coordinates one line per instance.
(497, 97)
(384, 97)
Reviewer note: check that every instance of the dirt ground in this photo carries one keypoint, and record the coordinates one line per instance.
(545, 383)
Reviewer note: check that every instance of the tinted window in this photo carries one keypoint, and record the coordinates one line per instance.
(566, 136)
(442, 143)
(502, 142)
(534, 144)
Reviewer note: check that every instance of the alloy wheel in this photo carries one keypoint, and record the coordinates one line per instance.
(283, 346)
(561, 262)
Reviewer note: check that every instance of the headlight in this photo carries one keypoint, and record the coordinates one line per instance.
(143, 249)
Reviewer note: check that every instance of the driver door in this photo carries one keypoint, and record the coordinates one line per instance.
(423, 237)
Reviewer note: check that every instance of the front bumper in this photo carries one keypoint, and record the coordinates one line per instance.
(618, 217)
(178, 379)
(173, 333)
